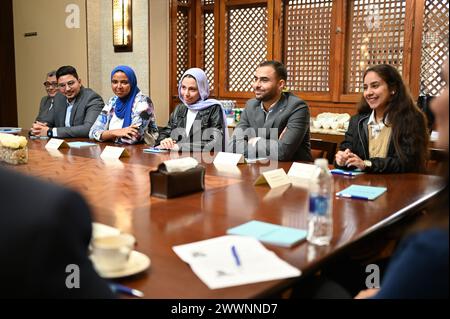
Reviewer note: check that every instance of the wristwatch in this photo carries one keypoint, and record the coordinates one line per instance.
(50, 132)
(367, 164)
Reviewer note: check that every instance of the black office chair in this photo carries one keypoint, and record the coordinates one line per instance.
(323, 149)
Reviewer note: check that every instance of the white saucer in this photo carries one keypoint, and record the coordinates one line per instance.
(136, 263)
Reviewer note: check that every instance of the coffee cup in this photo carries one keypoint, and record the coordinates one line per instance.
(111, 253)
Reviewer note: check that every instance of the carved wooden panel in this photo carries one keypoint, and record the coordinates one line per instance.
(246, 44)
(182, 41)
(376, 35)
(434, 46)
(207, 54)
(307, 44)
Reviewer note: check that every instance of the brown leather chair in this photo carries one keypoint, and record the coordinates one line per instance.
(323, 149)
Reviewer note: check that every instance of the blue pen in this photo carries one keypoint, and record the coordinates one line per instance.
(117, 288)
(353, 196)
(342, 173)
(235, 255)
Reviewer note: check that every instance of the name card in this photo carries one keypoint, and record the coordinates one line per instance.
(56, 143)
(301, 174)
(113, 152)
(274, 178)
(305, 171)
(225, 158)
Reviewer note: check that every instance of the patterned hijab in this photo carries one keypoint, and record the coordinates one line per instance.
(124, 105)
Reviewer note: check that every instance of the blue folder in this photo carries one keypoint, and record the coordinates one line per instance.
(270, 233)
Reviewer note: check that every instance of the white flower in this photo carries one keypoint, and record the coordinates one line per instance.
(12, 141)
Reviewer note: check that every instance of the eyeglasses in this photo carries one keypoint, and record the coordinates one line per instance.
(50, 84)
(69, 84)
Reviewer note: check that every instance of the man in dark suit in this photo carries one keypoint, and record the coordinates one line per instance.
(275, 124)
(45, 231)
(74, 111)
(51, 86)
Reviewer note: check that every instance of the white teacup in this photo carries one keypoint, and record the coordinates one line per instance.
(111, 253)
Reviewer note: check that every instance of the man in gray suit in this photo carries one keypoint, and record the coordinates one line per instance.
(275, 124)
(51, 86)
(74, 111)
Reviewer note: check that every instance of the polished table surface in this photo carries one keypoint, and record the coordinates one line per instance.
(118, 193)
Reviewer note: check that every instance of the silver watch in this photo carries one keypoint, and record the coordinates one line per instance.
(367, 163)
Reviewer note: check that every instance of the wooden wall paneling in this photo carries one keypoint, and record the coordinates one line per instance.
(398, 39)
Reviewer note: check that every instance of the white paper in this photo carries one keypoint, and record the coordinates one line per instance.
(213, 262)
(225, 158)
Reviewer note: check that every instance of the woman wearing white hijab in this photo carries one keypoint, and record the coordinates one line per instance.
(198, 123)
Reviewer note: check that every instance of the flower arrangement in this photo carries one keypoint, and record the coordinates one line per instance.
(13, 149)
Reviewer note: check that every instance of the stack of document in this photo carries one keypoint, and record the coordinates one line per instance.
(233, 260)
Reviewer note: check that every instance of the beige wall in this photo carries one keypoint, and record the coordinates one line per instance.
(153, 75)
(54, 45)
(101, 56)
(160, 58)
(89, 49)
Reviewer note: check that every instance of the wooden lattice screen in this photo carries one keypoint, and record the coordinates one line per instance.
(182, 42)
(207, 41)
(307, 44)
(434, 46)
(246, 45)
(376, 32)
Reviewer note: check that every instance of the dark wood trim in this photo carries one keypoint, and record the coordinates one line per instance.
(416, 51)
(8, 102)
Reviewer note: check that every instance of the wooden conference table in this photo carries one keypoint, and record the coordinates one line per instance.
(118, 193)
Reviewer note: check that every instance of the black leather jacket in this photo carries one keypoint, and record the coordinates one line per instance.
(206, 134)
(357, 140)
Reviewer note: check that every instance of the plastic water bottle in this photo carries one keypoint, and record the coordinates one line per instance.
(320, 217)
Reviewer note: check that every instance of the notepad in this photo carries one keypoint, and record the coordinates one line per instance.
(81, 144)
(362, 192)
(270, 233)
